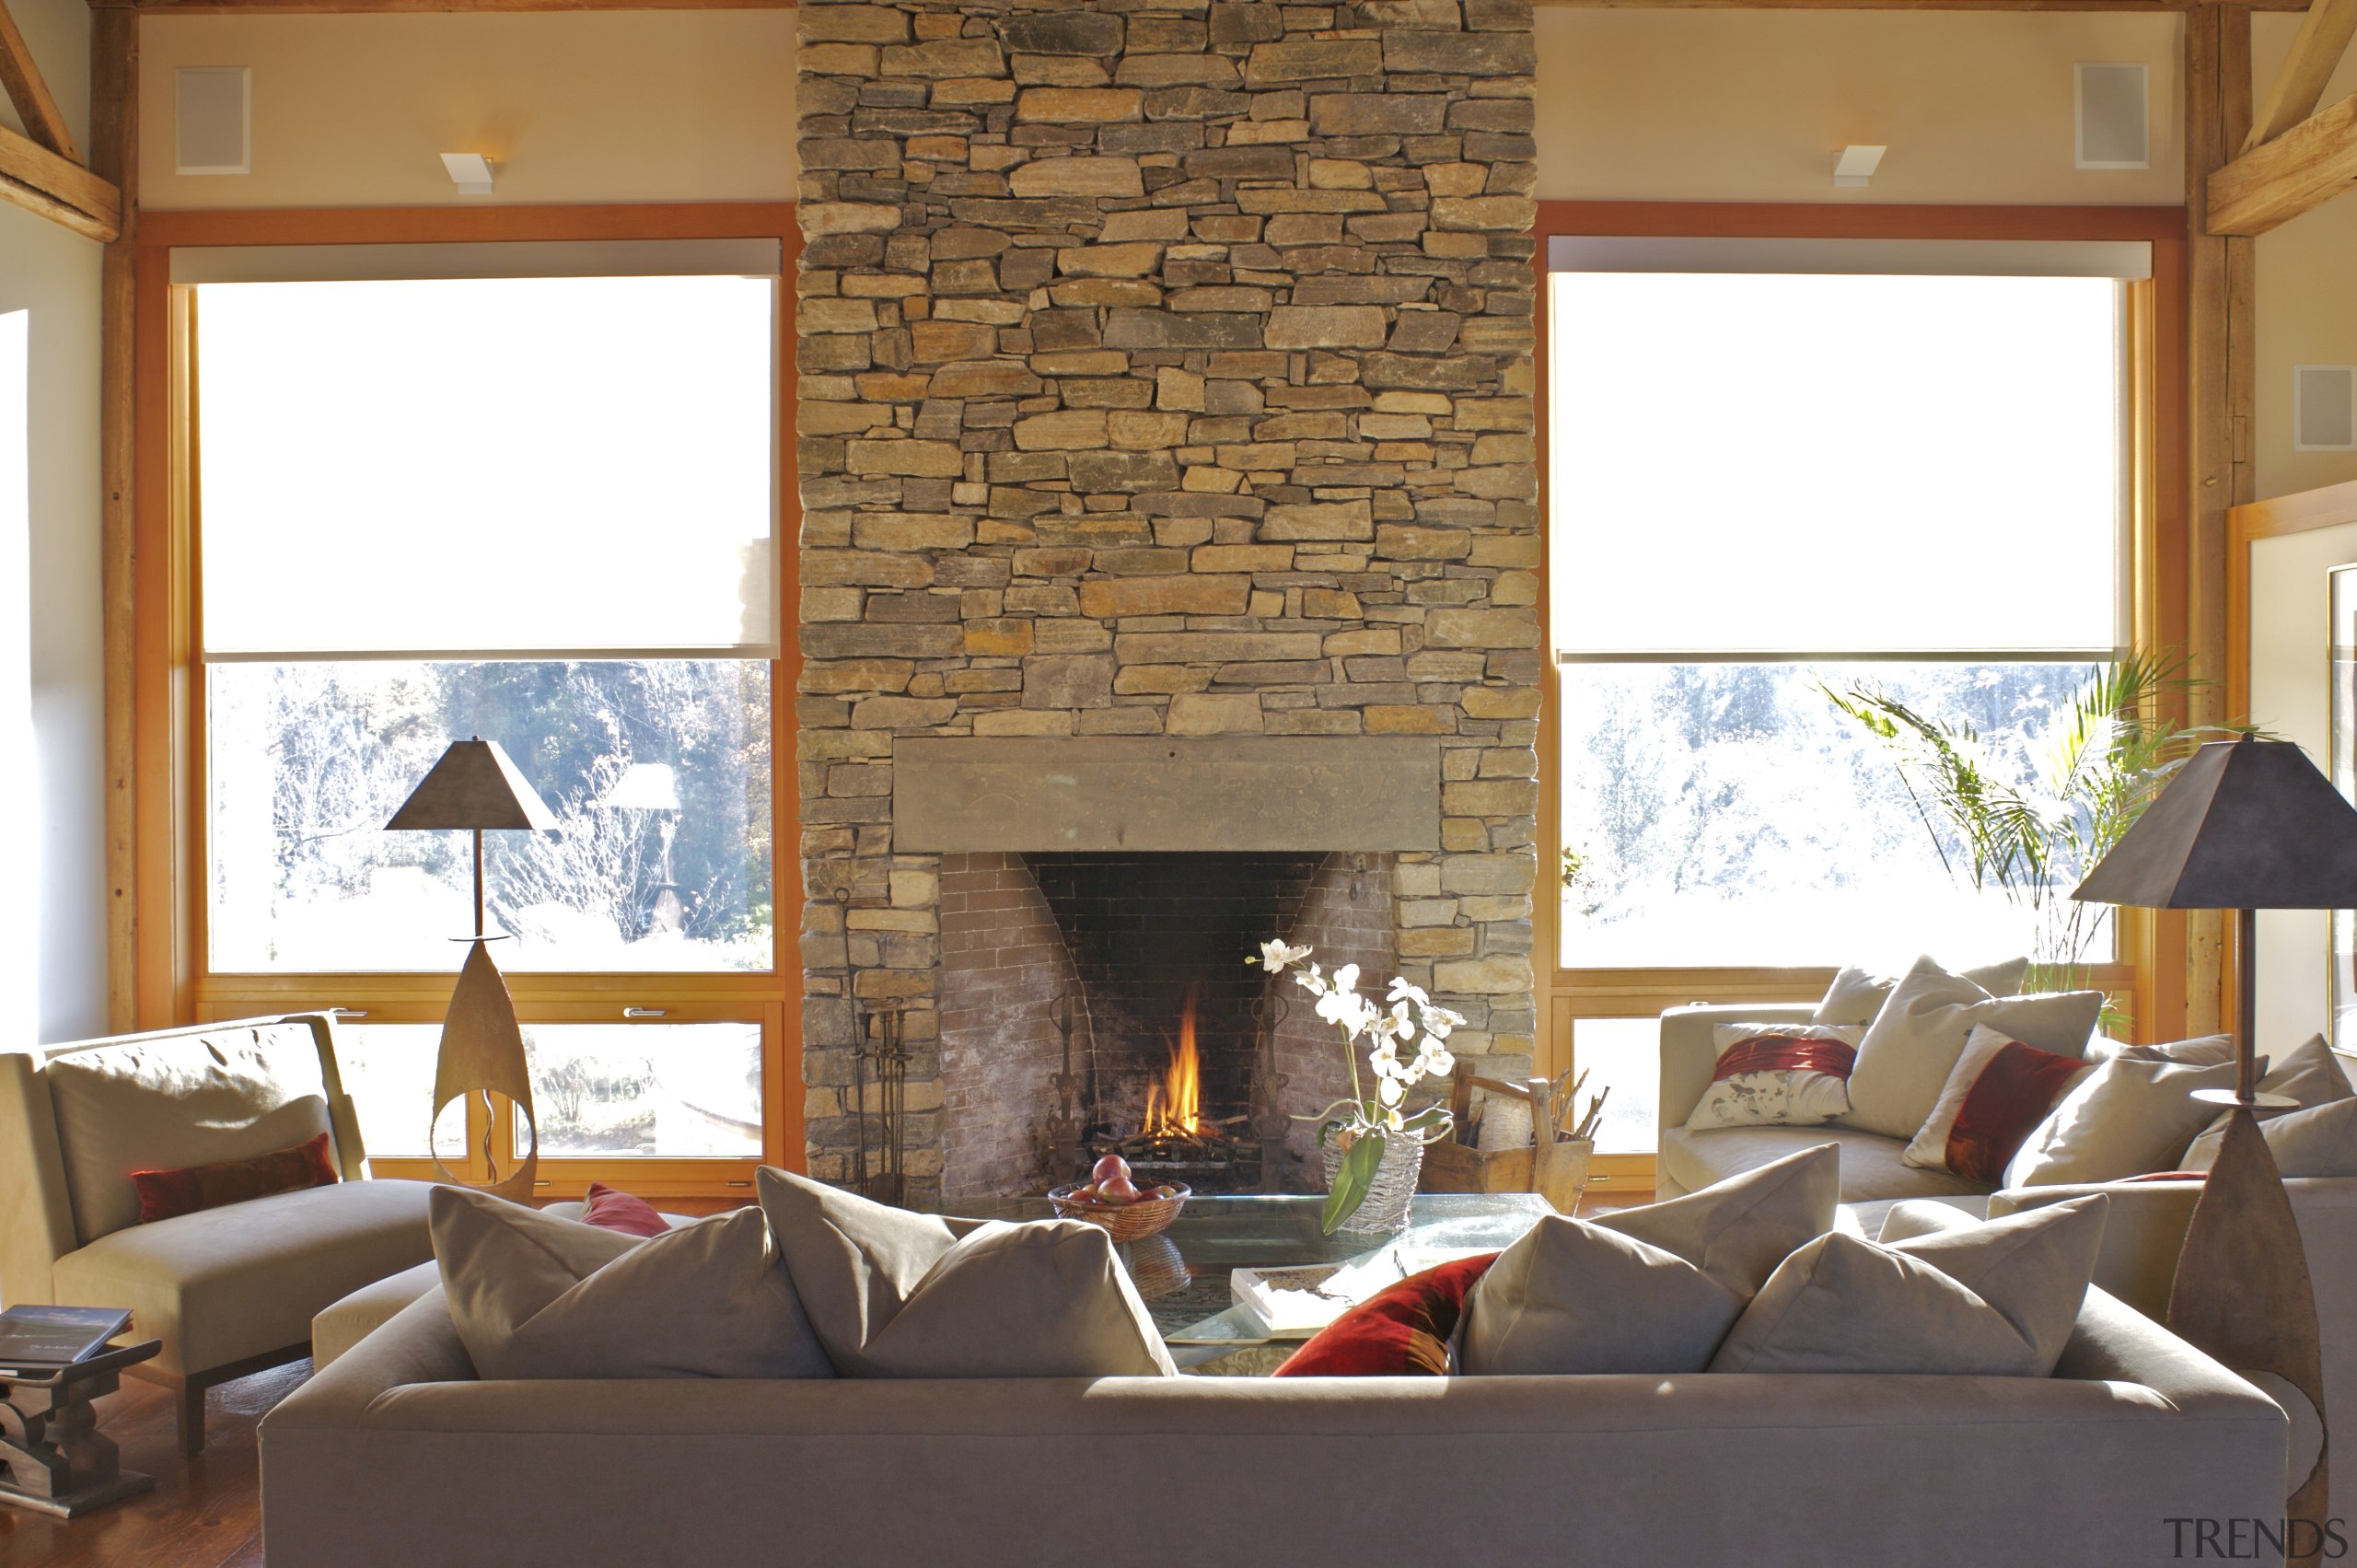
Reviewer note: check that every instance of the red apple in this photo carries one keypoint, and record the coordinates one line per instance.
(1108, 1167)
(1118, 1189)
(1165, 1190)
(1083, 1194)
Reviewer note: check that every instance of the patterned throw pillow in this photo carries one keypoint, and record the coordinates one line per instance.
(1778, 1075)
(1401, 1331)
(1995, 1097)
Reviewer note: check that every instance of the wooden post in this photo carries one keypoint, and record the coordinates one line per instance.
(114, 155)
(2220, 373)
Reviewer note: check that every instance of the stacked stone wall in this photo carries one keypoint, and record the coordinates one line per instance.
(1165, 369)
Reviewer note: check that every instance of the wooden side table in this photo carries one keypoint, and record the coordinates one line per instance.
(56, 1458)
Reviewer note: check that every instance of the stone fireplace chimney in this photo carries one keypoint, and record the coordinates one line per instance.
(1165, 372)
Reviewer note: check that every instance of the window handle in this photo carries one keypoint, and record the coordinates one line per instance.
(641, 1011)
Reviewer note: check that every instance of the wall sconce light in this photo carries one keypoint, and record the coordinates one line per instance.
(1856, 166)
(470, 171)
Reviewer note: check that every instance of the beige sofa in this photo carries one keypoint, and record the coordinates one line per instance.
(2141, 1237)
(231, 1289)
(397, 1455)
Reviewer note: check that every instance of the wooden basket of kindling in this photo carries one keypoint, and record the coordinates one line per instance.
(1553, 1164)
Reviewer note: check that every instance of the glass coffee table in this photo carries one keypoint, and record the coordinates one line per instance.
(1183, 1273)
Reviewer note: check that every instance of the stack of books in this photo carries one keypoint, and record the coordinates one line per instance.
(37, 1340)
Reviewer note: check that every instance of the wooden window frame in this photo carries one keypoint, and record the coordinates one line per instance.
(2151, 973)
(171, 982)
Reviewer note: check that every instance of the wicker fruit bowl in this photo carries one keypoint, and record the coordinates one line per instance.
(1127, 1221)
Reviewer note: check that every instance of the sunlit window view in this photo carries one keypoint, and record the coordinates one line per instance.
(437, 509)
(658, 772)
(1770, 488)
(602, 1090)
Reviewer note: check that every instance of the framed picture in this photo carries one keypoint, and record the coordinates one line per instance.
(2340, 670)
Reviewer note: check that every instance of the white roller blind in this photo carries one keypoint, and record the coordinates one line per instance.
(507, 467)
(1822, 463)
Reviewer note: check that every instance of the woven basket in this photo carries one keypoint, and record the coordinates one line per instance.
(1129, 1222)
(1385, 1209)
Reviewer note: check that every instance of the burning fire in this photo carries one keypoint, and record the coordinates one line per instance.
(1174, 1105)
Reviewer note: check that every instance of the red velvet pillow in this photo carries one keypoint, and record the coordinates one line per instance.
(166, 1194)
(1401, 1331)
(616, 1209)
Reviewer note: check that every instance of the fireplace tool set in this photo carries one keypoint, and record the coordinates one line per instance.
(879, 1056)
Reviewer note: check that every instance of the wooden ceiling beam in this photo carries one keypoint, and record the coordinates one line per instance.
(2298, 171)
(297, 7)
(38, 181)
(22, 81)
(2325, 33)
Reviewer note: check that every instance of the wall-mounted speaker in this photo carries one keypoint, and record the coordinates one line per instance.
(213, 120)
(2113, 117)
(2324, 408)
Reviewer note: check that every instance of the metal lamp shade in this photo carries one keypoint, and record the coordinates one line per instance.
(2244, 825)
(474, 785)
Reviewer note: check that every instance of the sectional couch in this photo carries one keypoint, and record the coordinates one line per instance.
(398, 1455)
(2145, 1227)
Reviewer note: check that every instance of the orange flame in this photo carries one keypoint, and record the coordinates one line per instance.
(1174, 1105)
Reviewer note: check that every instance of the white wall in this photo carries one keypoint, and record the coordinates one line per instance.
(1712, 104)
(2307, 309)
(591, 106)
(2289, 696)
(58, 854)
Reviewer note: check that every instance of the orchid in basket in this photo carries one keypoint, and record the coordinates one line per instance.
(1365, 1122)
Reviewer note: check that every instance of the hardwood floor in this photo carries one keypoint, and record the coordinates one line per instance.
(205, 1513)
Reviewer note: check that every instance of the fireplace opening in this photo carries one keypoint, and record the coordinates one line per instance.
(1100, 1003)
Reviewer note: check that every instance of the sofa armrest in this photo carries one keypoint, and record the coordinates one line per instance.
(2141, 1234)
(1689, 1053)
(35, 1216)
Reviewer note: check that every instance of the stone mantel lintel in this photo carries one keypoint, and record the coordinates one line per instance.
(1150, 794)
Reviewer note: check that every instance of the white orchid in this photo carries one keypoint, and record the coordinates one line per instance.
(1276, 956)
(1363, 1122)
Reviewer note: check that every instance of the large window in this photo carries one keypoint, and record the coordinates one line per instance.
(1784, 470)
(527, 494)
(1767, 485)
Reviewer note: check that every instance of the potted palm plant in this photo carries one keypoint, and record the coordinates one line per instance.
(2113, 749)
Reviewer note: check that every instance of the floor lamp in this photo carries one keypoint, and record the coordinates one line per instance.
(475, 787)
(2246, 825)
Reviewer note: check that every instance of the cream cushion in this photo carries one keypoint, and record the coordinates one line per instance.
(350, 1318)
(1571, 1298)
(1872, 1166)
(222, 1284)
(2128, 1116)
(2308, 1073)
(1857, 994)
(2319, 1141)
(166, 1104)
(897, 1294)
(1650, 1289)
(1992, 1300)
(2202, 1049)
(534, 1296)
(1912, 1045)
